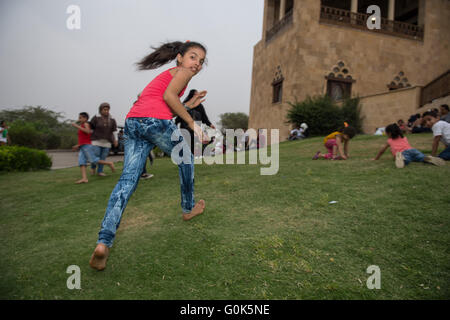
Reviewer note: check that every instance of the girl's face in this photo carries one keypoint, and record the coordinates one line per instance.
(193, 59)
(82, 119)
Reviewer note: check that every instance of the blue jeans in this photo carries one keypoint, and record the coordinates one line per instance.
(413, 155)
(141, 135)
(445, 154)
(87, 154)
(101, 153)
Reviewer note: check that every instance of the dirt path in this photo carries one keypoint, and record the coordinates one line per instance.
(68, 159)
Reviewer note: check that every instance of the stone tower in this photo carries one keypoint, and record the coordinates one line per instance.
(312, 47)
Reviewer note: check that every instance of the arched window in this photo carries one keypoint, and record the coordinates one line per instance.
(277, 85)
(339, 82)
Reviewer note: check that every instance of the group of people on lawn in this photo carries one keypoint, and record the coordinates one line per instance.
(438, 122)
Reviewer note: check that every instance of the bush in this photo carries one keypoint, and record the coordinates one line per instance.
(323, 115)
(14, 158)
(25, 134)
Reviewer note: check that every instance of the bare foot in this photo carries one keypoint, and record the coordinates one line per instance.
(102, 174)
(93, 172)
(198, 209)
(82, 181)
(112, 167)
(99, 257)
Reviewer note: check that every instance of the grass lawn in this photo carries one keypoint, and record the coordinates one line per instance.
(261, 237)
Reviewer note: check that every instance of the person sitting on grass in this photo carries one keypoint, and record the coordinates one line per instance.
(402, 150)
(337, 144)
(87, 153)
(441, 132)
(445, 113)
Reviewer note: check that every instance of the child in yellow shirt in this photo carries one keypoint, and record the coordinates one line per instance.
(337, 144)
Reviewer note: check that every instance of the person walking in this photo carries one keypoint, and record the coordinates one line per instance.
(103, 126)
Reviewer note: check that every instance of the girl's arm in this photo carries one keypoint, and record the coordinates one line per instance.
(435, 145)
(340, 149)
(179, 81)
(382, 150)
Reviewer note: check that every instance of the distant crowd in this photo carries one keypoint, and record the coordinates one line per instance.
(436, 121)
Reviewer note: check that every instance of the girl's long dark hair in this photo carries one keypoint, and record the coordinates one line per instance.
(190, 95)
(394, 130)
(166, 53)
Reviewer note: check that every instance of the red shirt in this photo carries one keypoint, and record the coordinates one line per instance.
(151, 103)
(83, 137)
(399, 145)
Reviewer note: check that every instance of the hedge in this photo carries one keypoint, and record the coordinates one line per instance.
(16, 158)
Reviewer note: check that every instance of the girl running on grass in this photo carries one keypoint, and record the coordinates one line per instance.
(337, 144)
(402, 150)
(148, 124)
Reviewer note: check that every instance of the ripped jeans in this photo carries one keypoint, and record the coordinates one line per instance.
(141, 135)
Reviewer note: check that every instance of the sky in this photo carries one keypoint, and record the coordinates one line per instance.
(44, 63)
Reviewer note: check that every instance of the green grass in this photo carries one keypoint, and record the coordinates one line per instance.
(261, 237)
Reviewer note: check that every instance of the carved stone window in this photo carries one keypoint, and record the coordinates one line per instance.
(277, 85)
(400, 81)
(339, 82)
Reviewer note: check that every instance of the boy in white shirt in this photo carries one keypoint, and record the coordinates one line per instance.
(441, 132)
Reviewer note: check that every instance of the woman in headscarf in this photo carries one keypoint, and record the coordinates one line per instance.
(103, 126)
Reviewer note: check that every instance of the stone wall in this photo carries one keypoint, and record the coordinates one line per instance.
(382, 109)
(307, 50)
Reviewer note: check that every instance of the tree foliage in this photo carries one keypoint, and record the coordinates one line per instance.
(233, 120)
(323, 115)
(37, 127)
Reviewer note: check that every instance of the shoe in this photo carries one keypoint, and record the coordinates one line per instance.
(146, 176)
(434, 160)
(316, 156)
(399, 160)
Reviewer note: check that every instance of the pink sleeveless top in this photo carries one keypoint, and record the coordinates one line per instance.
(399, 145)
(151, 103)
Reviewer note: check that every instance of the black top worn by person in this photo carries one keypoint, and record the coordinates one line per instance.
(198, 114)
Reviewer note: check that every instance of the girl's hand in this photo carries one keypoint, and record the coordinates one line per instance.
(75, 147)
(196, 99)
(199, 133)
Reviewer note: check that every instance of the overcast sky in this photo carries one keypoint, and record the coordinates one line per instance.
(44, 63)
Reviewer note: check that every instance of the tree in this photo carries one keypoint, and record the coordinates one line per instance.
(37, 127)
(236, 120)
(323, 115)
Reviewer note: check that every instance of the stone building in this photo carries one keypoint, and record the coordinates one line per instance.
(312, 47)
